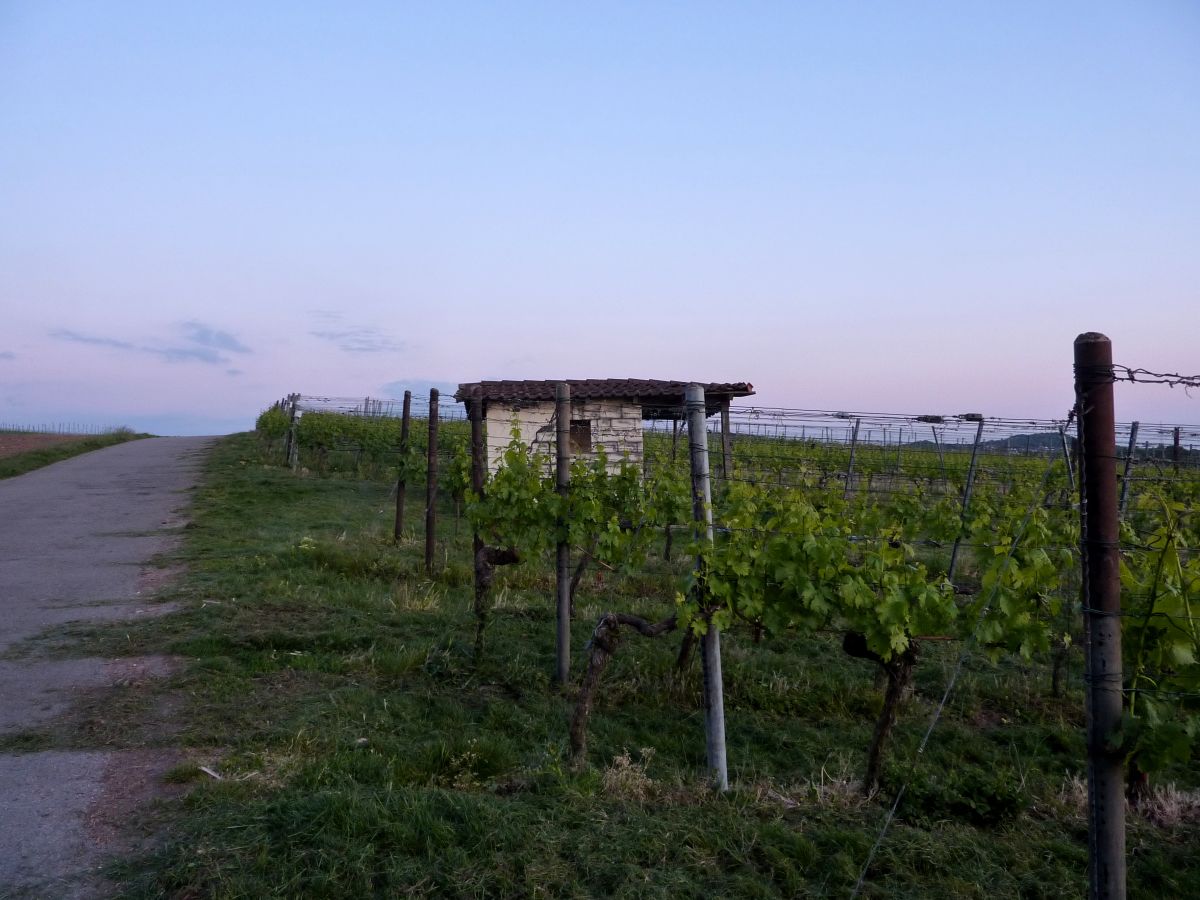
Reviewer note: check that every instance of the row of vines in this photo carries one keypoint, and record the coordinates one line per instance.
(886, 554)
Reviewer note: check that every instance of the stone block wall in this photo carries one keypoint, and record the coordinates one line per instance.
(612, 424)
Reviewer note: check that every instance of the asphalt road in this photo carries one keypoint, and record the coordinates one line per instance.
(74, 540)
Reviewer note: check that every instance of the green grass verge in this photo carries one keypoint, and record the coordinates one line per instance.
(20, 463)
(365, 753)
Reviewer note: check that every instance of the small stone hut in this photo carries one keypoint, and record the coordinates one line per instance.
(605, 412)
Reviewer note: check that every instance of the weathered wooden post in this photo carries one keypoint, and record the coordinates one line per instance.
(710, 643)
(293, 445)
(853, 448)
(402, 480)
(1101, 559)
(431, 478)
(726, 442)
(483, 572)
(966, 501)
(941, 454)
(1129, 454)
(562, 432)
(285, 407)
(1066, 452)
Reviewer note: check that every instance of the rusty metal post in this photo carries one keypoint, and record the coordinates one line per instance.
(562, 432)
(431, 483)
(1102, 613)
(966, 503)
(1130, 451)
(402, 480)
(710, 643)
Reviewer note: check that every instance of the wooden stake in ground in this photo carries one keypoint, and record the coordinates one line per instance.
(486, 558)
(562, 431)
(431, 476)
(1129, 453)
(1103, 677)
(966, 501)
(402, 481)
(726, 442)
(850, 464)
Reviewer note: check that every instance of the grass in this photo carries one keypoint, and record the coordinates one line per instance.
(20, 463)
(364, 752)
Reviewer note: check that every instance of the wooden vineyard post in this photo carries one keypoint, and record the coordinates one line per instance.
(941, 454)
(726, 442)
(710, 643)
(562, 432)
(1062, 434)
(1133, 430)
(402, 481)
(853, 448)
(431, 477)
(966, 502)
(1101, 558)
(483, 572)
(293, 446)
(285, 405)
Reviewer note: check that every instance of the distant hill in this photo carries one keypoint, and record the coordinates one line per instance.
(1041, 442)
(1048, 442)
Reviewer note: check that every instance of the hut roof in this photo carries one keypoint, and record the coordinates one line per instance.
(658, 399)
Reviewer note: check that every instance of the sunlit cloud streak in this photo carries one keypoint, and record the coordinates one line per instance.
(210, 348)
(206, 336)
(65, 334)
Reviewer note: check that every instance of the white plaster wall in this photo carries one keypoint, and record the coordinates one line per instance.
(616, 426)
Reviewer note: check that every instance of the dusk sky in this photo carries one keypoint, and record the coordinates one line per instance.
(894, 207)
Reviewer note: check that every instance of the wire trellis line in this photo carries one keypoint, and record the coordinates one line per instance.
(1145, 376)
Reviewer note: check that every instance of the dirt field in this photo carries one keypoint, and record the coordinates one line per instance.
(14, 442)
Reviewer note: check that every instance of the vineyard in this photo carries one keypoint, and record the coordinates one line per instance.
(918, 547)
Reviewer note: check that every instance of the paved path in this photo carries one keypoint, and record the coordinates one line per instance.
(74, 538)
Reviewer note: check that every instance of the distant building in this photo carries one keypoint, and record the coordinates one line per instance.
(605, 412)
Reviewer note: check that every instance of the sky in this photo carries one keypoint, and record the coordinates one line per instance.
(897, 207)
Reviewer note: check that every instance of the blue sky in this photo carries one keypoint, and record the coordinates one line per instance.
(908, 207)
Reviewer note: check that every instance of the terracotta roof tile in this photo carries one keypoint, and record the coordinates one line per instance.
(639, 390)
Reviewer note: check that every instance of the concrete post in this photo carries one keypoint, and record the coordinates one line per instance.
(710, 643)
